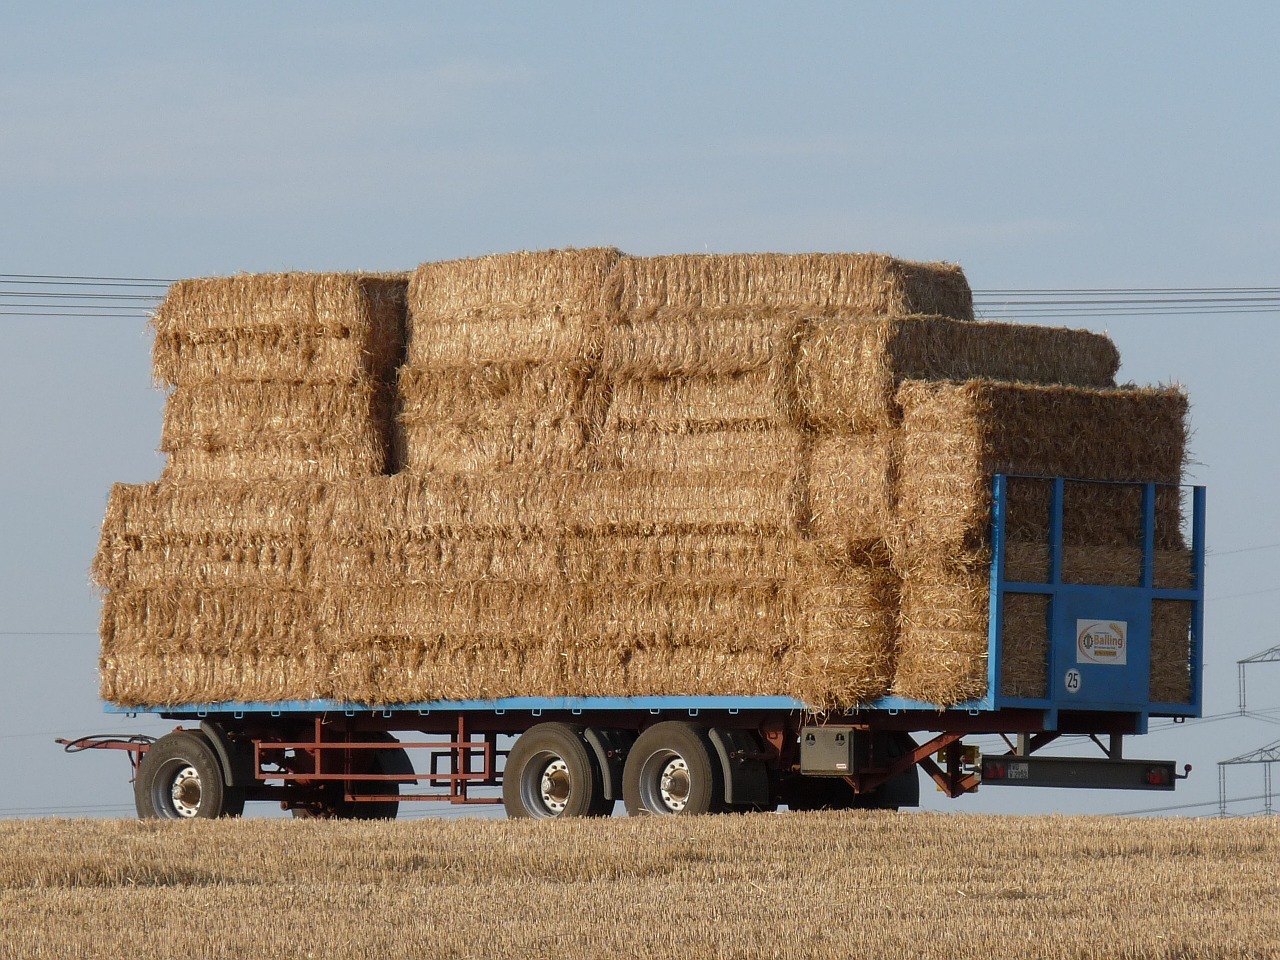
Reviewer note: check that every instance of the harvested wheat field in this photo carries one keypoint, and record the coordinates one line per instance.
(844, 885)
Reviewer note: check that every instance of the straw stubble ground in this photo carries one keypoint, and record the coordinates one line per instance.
(800, 885)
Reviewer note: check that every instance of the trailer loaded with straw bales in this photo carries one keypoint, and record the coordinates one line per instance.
(700, 532)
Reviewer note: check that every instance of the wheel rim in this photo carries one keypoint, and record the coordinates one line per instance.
(665, 783)
(556, 786)
(546, 785)
(182, 792)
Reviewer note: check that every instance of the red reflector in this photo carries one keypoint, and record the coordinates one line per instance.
(1157, 776)
(995, 771)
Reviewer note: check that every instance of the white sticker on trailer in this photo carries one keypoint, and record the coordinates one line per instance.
(1102, 641)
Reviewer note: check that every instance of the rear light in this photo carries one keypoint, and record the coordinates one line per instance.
(993, 771)
(1158, 777)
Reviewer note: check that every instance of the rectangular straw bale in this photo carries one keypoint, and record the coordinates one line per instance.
(517, 613)
(728, 451)
(638, 502)
(851, 492)
(719, 341)
(413, 560)
(229, 509)
(519, 444)
(255, 621)
(956, 436)
(492, 391)
(865, 283)
(759, 400)
(511, 308)
(273, 414)
(688, 672)
(942, 644)
(202, 561)
(1103, 565)
(497, 504)
(499, 416)
(848, 637)
(1024, 645)
(429, 671)
(160, 679)
(725, 615)
(848, 368)
(1171, 651)
(277, 462)
(288, 312)
(680, 558)
(258, 355)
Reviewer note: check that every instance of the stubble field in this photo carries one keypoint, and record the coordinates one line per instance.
(846, 885)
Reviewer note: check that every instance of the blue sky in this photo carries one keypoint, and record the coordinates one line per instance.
(1083, 145)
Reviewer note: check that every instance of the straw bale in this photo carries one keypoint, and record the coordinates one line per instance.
(848, 639)
(689, 672)
(496, 504)
(516, 614)
(414, 560)
(239, 621)
(263, 355)
(955, 436)
(1103, 565)
(638, 502)
(492, 391)
(865, 283)
(202, 561)
(851, 493)
(758, 400)
(512, 308)
(162, 679)
(520, 444)
(289, 311)
(232, 510)
(1171, 651)
(1024, 643)
(679, 558)
(727, 451)
(730, 615)
(499, 416)
(283, 462)
(425, 671)
(701, 342)
(942, 644)
(848, 368)
(248, 415)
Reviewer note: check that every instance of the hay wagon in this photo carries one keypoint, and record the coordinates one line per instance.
(1092, 678)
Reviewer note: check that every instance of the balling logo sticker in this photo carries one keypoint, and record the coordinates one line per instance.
(1102, 641)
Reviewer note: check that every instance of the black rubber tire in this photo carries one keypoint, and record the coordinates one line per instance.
(678, 748)
(551, 773)
(392, 761)
(180, 778)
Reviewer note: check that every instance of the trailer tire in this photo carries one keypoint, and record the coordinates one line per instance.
(672, 770)
(551, 772)
(180, 778)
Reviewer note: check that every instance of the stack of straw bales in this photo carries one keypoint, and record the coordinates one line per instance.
(279, 376)
(609, 475)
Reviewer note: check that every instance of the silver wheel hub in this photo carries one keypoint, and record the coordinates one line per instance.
(674, 785)
(555, 786)
(185, 792)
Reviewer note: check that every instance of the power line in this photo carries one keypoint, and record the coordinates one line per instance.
(59, 276)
